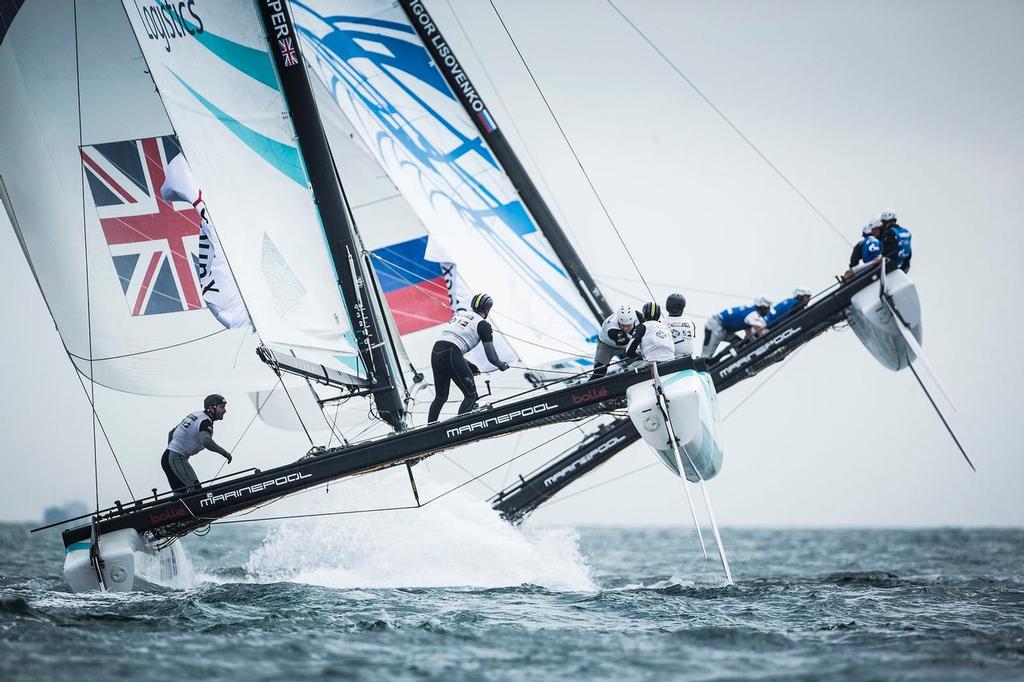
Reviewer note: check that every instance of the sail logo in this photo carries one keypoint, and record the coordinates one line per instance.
(169, 515)
(446, 58)
(586, 459)
(759, 352)
(506, 418)
(165, 21)
(589, 395)
(238, 493)
(283, 32)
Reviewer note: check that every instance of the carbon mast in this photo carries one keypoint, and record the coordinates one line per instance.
(373, 337)
(469, 97)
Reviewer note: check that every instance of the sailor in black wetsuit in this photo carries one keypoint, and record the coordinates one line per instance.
(194, 433)
(462, 333)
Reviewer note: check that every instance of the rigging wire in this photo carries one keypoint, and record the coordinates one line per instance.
(149, 350)
(88, 292)
(565, 137)
(106, 437)
(259, 408)
(732, 125)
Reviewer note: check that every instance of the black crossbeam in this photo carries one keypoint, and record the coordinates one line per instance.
(171, 517)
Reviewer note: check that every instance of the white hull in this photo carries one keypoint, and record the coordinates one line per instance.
(127, 560)
(876, 327)
(693, 410)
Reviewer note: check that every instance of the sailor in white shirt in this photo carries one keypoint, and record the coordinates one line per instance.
(193, 434)
(464, 331)
(684, 332)
(652, 340)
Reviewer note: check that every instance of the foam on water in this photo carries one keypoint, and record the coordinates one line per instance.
(456, 541)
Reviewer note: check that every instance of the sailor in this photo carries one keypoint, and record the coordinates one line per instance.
(464, 331)
(733, 320)
(895, 241)
(613, 337)
(684, 332)
(799, 299)
(194, 433)
(869, 247)
(652, 340)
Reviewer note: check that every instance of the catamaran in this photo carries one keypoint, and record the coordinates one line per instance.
(301, 180)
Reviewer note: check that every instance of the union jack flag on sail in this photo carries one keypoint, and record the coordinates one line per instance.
(153, 245)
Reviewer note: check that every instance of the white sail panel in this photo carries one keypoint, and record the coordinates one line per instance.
(123, 295)
(220, 90)
(382, 78)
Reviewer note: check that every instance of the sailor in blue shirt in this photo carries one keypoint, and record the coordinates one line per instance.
(733, 320)
(895, 241)
(868, 248)
(799, 299)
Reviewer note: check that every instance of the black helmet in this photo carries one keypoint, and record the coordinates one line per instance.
(675, 304)
(651, 311)
(213, 400)
(482, 304)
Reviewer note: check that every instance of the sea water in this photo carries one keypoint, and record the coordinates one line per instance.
(450, 592)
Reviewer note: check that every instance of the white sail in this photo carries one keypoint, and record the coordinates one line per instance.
(218, 85)
(382, 78)
(84, 143)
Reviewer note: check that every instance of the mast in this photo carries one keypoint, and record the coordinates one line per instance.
(470, 99)
(343, 242)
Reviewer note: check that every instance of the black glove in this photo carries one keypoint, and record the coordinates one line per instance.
(503, 366)
(228, 458)
(473, 368)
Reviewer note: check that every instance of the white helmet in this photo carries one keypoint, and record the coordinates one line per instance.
(625, 315)
(888, 216)
(866, 230)
(801, 291)
(763, 302)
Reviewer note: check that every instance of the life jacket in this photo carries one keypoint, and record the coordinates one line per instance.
(683, 334)
(870, 249)
(783, 307)
(185, 439)
(656, 344)
(462, 330)
(735, 319)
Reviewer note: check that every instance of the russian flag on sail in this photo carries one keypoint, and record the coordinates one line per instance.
(488, 122)
(413, 286)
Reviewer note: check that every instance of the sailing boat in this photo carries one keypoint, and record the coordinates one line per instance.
(269, 195)
(249, 124)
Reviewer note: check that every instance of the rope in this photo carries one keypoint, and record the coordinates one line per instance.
(88, 292)
(251, 421)
(730, 123)
(106, 437)
(151, 350)
(565, 137)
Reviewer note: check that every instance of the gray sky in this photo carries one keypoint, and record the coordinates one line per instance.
(864, 107)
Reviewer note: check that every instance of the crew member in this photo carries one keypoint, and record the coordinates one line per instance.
(684, 332)
(734, 320)
(194, 433)
(463, 332)
(799, 299)
(895, 241)
(869, 247)
(613, 337)
(652, 340)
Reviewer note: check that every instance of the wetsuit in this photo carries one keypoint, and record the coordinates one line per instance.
(462, 333)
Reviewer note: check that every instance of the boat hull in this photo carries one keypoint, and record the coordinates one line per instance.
(693, 411)
(127, 562)
(875, 325)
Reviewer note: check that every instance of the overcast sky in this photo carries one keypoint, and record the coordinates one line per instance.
(863, 106)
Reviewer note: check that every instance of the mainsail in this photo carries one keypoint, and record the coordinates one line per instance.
(385, 81)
